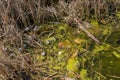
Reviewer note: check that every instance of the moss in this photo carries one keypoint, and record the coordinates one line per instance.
(70, 51)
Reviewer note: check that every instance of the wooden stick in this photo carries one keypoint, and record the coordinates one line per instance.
(87, 32)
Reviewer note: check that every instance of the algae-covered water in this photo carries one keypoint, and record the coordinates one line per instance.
(71, 52)
(108, 64)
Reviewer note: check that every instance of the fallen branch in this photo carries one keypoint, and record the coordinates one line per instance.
(87, 32)
(76, 21)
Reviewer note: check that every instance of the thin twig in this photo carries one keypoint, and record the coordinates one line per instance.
(51, 75)
(99, 74)
(112, 76)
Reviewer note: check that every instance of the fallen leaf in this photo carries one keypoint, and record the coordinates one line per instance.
(60, 44)
(78, 41)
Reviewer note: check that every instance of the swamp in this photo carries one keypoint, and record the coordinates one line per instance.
(59, 40)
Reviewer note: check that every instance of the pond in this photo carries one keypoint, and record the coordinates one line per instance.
(70, 51)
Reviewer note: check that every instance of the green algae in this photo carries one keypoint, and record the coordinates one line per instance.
(69, 51)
